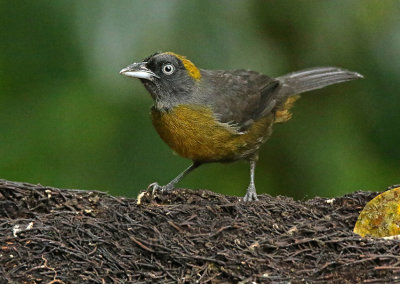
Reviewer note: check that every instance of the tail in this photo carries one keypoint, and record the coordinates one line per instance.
(315, 78)
(307, 80)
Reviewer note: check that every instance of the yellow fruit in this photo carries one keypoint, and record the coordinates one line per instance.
(381, 216)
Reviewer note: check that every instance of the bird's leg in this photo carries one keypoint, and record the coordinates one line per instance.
(251, 194)
(171, 185)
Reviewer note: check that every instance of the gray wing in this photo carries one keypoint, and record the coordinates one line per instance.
(244, 96)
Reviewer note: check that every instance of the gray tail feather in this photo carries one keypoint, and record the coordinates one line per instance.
(316, 78)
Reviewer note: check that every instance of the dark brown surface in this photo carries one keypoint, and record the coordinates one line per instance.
(91, 237)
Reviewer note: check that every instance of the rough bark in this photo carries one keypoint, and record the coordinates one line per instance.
(50, 235)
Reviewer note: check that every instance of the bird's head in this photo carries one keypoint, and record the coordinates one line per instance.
(168, 77)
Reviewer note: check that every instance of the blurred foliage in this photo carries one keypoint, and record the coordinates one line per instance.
(68, 119)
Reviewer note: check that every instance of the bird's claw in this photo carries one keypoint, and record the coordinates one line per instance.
(251, 195)
(155, 187)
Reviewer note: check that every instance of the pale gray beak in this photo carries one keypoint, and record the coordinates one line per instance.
(138, 70)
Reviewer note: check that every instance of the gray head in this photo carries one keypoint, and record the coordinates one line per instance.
(169, 77)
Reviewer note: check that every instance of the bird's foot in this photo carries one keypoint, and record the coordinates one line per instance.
(251, 194)
(155, 187)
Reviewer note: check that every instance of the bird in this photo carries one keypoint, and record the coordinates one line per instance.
(221, 116)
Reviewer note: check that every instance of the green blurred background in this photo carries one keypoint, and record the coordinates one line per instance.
(68, 119)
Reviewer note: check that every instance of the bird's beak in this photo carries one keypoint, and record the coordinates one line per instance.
(138, 70)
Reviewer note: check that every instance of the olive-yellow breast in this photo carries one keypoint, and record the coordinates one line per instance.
(195, 133)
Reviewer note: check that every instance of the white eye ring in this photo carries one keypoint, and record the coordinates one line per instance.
(168, 69)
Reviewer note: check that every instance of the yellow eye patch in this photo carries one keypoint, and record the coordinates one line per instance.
(193, 71)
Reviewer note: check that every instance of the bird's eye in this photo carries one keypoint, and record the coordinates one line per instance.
(168, 69)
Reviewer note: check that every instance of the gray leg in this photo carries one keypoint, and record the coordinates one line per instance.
(251, 194)
(171, 185)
